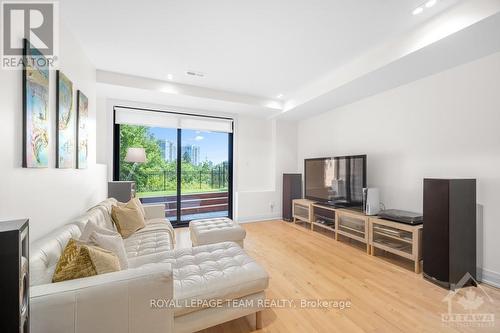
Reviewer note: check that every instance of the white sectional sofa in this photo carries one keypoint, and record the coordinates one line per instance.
(140, 298)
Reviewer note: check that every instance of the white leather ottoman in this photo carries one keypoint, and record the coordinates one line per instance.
(221, 271)
(217, 230)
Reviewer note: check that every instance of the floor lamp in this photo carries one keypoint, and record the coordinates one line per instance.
(136, 156)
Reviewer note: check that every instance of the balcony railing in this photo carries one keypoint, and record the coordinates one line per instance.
(193, 206)
(148, 182)
(203, 194)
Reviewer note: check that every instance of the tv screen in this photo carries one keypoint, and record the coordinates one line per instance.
(337, 181)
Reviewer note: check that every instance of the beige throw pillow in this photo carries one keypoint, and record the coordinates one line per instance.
(141, 208)
(128, 218)
(138, 203)
(111, 242)
(80, 260)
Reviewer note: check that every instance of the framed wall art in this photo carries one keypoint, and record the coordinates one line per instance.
(66, 123)
(82, 135)
(35, 109)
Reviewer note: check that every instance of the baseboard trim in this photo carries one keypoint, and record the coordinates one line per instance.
(491, 278)
(259, 218)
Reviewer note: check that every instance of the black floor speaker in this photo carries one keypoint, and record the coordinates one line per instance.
(14, 279)
(449, 234)
(292, 189)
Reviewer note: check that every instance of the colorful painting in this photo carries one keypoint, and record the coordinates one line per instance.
(82, 134)
(66, 123)
(35, 110)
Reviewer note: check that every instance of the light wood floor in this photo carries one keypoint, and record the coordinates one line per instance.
(386, 297)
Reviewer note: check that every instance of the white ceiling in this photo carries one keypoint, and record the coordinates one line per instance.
(254, 47)
(473, 42)
(129, 95)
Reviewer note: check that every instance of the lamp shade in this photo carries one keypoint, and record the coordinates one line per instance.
(135, 155)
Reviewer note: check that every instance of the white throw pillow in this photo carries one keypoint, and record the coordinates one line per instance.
(113, 243)
(90, 227)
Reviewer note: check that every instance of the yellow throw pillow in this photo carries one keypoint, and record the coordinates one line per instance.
(80, 260)
(138, 203)
(128, 218)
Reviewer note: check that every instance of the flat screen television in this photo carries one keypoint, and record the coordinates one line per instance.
(336, 181)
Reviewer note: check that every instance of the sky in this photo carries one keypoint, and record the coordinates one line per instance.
(213, 145)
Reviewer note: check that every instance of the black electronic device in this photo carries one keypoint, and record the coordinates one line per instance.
(337, 181)
(401, 216)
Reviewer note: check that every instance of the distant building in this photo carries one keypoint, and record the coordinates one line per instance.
(163, 148)
(195, 155)
(168, 150)
(191, 153)
(171, 151)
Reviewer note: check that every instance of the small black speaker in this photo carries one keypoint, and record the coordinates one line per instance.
(14, 280)
(449, 234)
(292, 189)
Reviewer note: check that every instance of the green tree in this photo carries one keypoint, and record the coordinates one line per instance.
(160, 175)
(139, 137)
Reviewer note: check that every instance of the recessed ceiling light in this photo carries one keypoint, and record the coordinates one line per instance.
(418, 10)
(169, 89)
(170, 77)
(195, 73)
(430, 3)
(279, 96)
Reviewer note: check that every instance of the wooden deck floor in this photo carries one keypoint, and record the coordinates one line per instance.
(386, 295)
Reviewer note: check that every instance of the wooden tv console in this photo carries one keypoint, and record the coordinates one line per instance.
(397, 238)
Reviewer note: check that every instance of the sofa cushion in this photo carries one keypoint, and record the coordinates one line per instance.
(149, 244)
(91, 227)
(46, 251)
(161, 224)
(215, 271)
(107, 205)
(97, 215)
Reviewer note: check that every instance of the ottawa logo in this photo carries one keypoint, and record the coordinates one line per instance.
(465, 306)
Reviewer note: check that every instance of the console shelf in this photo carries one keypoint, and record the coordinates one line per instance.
(323, 217)
(400, 239)
(354, 225)
(324, 226)
(301, 210)
(397, 238)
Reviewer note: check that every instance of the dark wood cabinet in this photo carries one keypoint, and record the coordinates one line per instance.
(14, 280)
(449, 234)
(292, 189)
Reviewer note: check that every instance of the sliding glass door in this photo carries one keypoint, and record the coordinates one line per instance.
(204, 174)
(186, 170)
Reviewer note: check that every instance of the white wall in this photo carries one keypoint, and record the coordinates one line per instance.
(48, 197)
(446, 125)
(263, 150)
